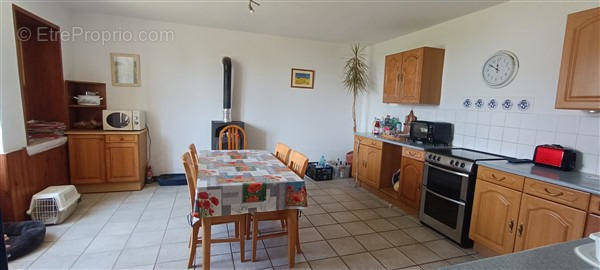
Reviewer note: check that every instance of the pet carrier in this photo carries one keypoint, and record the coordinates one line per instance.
(54, 204)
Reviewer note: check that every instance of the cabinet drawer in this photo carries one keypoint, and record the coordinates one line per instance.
(595, 205)
(121, 138)
(413, 153)
(501, 178)
(562, 195)
(371, 142)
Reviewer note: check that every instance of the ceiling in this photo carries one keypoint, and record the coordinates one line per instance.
(341, 21)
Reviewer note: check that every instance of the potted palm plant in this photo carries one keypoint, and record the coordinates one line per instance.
(356, 77)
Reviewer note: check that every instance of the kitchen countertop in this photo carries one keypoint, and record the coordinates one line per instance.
(407, 143)
(103, 132)
(558, 256)
(572, 179)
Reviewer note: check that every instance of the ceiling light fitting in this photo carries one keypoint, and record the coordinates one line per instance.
(250, 7)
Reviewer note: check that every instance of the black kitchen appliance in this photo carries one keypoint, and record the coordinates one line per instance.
(448, 190)
(437, 133)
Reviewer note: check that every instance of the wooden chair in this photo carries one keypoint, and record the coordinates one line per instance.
(282, 152)
(232, 134)
(298, 163)
(206, 240)
(194, 155)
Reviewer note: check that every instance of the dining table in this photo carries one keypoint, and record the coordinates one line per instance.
(234, 182)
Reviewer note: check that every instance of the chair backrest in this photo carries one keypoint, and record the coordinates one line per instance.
(298, 163)
(194, 155)
(282, 152)
(232, 134)
(190, 176)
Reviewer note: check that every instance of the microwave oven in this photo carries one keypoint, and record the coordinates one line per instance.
(437, 133)
(123, 120)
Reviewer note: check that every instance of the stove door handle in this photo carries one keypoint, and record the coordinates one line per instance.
(444, 197)
(446, 170)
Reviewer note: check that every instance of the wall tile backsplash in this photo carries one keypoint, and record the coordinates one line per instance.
(516, 133)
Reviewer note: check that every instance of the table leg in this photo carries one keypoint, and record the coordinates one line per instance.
(206, 224)
(292, 226)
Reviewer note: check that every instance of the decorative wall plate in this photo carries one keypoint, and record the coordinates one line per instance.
(467, 103)
(523, 105)
(492, 104)
(479, 103)
(507, 104)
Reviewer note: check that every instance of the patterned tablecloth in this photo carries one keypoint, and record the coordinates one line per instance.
(238, 182)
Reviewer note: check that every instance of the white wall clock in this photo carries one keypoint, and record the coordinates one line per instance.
(500, 69)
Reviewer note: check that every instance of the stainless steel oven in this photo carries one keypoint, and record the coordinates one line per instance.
(448, 189)
(444, 200)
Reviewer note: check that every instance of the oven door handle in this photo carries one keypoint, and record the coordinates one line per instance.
(444, 197)
(446, 170)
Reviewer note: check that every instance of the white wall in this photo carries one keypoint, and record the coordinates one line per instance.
(11, 111)
(182, 82)
(535, 32)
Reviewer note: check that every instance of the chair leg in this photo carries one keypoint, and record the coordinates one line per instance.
(282, 223)
(254, 237)
(298, 250)
(237, 229)
(193, 244)
(242, 237)
(248, 220)
(206, 224)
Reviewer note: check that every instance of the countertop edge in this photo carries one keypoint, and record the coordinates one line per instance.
(105, 132)
(409, 145)
(504, 167)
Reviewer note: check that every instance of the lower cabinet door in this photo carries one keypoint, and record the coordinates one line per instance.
(373, 165)
(86, 159)
(494, 216)
(411, 179)
(122, 162)
(592, 224)
(543, 222)
(362, 162)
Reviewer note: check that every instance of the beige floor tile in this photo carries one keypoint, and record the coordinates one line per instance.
(354, 205)
(346, 245)
(374, 203)
(362, 261)
(262, 261)
(444, 249)
(343, 198)
(276, 242)
(104, 260)
(317, 192)
(279, 256)
(329, 264)
(398, 238)
(380, 225)
(176, 251)
(404, 222)
(343, 217)
(332, 231)
(317, 250)
(309, 235)
(357, 228)
(373, 241)
(422, 234)
(303, 222)
(388, 212)
(137, 256)
(235, 247)
(172, 265)
(459, 260)
(143, 239)
(298, 266)
(313, 209)
(48, 261)
(392, 258)
(176, 236)
(218, 262)
(321, 219)
(333, 207)
(155, 225)
(366, 214)
(324, 199)
(104, 243)
(71, 247)
(334, 191)
(419, 253)
(433, 265)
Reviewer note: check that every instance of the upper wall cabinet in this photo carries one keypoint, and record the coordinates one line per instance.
(579, 82)
(414, 77)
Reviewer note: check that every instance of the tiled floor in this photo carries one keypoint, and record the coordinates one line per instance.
(343, 228)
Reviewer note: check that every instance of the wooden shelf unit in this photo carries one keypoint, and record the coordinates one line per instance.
(86, 113)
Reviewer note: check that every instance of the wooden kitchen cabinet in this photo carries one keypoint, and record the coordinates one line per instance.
(592, 224)
(369, 165)
(122, 162)
(542, 222)
(86, 159)
(103, 161)
(376, 162)
(414, 76)
(494, 216)
(411, 179)
(578, 83)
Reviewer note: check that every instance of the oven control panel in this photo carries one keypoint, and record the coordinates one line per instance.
(450, 162)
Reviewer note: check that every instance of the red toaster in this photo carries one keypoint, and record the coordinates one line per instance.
(556, 156)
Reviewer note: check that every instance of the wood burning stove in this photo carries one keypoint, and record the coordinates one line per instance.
(217, 126)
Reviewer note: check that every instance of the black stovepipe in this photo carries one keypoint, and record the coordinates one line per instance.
(226, 83)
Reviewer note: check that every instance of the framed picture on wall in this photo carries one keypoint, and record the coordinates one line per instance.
(125, 69)
(302, 78)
